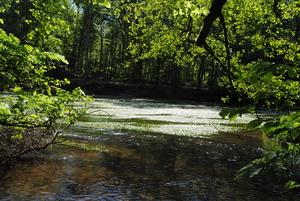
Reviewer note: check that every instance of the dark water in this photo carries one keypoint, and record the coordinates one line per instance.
(137, 165)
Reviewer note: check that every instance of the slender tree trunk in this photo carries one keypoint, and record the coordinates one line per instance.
(157, 70)
(87, 29)
(175, 78)
(101, 64)
(200, 72)
(136, 75)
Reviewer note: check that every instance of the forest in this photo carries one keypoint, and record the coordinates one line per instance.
(248, 50)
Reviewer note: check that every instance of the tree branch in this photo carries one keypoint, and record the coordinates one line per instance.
(228, 67)
(25, 125)
(214, 13)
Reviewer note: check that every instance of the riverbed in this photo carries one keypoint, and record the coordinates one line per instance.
(142, 149)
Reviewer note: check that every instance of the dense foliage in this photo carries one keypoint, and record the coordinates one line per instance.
(34, 110)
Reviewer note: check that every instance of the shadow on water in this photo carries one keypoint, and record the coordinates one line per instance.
(142, 166)
(161, 104)
(137, 165)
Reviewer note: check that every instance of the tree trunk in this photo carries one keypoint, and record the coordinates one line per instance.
(214, 13)
(175, 78)
(87, 29)
(200, 72)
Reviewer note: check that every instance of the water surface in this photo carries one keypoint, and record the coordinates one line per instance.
(141, 149)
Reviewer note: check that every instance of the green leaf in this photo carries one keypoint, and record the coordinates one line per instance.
(291, 184)
(255, 171)
(233, 115)
(17, 89)
(4, 109)
(250, 165)
(253, 124)
(295, 134)
(268, 77)
(269, 127)
(290, 72)
(240, 175)
(105, 3)
(224, 112)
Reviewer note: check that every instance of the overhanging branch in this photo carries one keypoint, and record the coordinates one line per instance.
(214, 13)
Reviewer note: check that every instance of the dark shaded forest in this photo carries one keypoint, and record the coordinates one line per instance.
(102, 50)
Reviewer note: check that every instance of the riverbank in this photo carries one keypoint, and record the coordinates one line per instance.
(135, 90)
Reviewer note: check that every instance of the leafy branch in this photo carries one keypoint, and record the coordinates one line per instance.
(32, 121)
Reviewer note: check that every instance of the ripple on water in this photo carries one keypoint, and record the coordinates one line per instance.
(145, 150)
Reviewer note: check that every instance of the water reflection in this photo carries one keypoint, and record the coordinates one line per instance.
(139, 165)
(142, 166)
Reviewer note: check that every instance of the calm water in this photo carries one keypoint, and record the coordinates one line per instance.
(145, 150)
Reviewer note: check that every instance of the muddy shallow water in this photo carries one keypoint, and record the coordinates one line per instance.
(145, 150)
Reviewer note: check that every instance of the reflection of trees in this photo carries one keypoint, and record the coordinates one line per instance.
(149, 161)
(167, 157)
(174, 159)
(112, 161)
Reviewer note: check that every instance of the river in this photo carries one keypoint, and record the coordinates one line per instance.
(141, 149)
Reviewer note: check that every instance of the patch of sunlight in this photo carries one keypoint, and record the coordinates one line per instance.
(158, 117)
(82, 145)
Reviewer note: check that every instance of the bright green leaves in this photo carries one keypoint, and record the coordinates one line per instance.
(163, 30)
(105, 3)
(269, 127)
(224, 112)
(269, 84)
(252, 169)
(277, 160)
(265, 71)
(233, 113)
(5, 5)
(291, 184)
(254, 124)
(31, 109)
(268, 77)
(24, 63)
(264, 53)
(285, 128)
(285, 158)
(151, 28)
(34, 118)
(55, 57)
(261, 70)
(31, 120)
(4, 110)
(189, 8)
